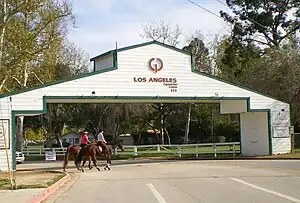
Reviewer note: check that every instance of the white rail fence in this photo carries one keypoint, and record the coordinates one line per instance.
(136, 150)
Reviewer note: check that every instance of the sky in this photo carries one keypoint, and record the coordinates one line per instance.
(102, 23)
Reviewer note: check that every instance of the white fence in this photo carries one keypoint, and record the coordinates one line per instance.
(136, 150)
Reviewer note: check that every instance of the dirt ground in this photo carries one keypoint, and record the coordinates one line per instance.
(33, 179)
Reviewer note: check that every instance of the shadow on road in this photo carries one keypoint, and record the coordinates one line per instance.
(38, 165)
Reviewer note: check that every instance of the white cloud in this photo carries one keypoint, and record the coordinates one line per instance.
(103, 24)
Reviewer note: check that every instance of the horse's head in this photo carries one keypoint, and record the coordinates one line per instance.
(121, 146)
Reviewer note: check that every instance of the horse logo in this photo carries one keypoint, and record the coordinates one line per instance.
(155, 65)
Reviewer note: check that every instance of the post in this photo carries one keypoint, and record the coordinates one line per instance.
(293, 143)
(187, 125)
(162, 124)
(12, 182)
(291, 131)
(135, 153)
(214, 149)
(179, 151)
(158, 148)
(116, 151)
(197, 155)
(233, 149)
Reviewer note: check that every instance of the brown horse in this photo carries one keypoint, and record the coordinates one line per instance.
(73, 150)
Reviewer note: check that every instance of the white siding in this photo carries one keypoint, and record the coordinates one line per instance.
(104, 62)
(254, 133)
(227, 107)
(5, 108)
(3, 160)
(281, 145)
(5, 113)
(280, 117)
(133, 63)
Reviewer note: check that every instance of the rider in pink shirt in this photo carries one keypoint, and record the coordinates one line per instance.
(84, 142)
(85, 139)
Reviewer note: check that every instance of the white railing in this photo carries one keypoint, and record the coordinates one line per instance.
(135, 150)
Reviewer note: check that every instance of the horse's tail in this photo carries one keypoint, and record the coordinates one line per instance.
(66, 158)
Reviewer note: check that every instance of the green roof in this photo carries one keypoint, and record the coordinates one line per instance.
(115, 64)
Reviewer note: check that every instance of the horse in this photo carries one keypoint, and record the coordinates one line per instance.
(74, 150)
(91, 152)
(106, 151)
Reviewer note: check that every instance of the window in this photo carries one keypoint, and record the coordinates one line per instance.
(76, 140)
(64, 140)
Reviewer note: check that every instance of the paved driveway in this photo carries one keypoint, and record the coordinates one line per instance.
(187, 182)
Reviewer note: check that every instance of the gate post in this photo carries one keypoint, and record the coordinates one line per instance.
(233, 148)
(116, 151)
(179, 149)
(135, 151)
(214, 149)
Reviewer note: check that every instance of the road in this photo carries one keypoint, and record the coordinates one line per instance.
(186, 181)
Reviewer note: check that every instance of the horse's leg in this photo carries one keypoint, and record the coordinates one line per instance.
(77, 163)
(90, 165)
(84, 160)
(95, 162)
(78, 160)
(108, 160)
(81, 168)
(66, 160)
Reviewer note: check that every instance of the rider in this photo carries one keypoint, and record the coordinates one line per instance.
(84, 142)
(101, 140)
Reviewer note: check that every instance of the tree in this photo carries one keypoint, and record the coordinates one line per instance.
(268, 18)
(235, 60)
(200, 52)
(162, 32)
(33, 29)
(281, 78)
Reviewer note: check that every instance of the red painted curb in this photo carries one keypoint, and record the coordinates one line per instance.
(50, 190)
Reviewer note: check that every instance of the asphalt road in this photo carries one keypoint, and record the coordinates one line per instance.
(186, 181)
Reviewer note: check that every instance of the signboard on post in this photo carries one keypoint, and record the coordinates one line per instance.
(50, 155)
(281, 131)
(4, 131)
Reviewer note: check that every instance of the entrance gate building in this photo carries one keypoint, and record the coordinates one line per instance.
(154, 72)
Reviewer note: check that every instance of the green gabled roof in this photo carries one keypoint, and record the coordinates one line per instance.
(115, 64)
(137, 46)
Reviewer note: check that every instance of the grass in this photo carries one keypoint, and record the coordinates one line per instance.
(5, 183)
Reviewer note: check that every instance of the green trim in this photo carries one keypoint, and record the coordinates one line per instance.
(147, 98)
(44, 110)
(270, 133)
(194, 70)
(13, 127)
(13, 137)
(140, 45)
(154, 42)
(103, 55)
(114, 67)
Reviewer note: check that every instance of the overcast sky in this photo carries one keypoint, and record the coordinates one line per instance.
(100, 23)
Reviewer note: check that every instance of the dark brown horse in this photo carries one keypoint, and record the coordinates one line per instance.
(94, 151)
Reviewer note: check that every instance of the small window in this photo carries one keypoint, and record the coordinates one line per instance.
(76, 140)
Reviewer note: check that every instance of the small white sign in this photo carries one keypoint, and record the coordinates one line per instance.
(4, 131)
(281, 131)
(50, 156)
